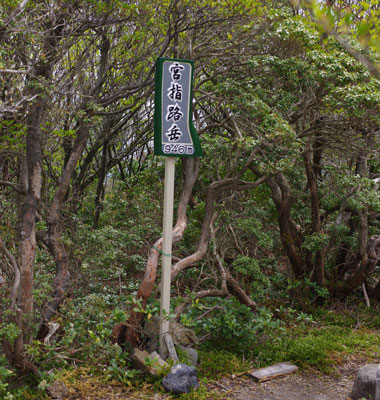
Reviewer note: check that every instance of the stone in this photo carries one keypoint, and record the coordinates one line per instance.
(182, 335)
(57, 390)
(179, 333)
(157, 360)
(378, 383)
(152, 363)
(181, 379)
(190, 354)
(365, 383)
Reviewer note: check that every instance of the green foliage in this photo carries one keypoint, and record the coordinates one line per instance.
(234, 322)
(86, 336)
(315, 242)
(360, 20)
(5, 374)
(119, 368)
(259, 282)
(305, 292)
(13, 138)
(9, 331)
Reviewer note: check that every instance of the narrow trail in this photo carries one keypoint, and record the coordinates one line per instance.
(295, 387)
(299, 386)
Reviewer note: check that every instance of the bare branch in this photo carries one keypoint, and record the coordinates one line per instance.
(17, 11)
(16, 283)
(14, 186)
(15, 71)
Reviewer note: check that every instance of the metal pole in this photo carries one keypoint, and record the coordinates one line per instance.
(166, 250)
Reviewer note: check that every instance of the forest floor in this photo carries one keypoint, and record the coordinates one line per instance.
(299, 386)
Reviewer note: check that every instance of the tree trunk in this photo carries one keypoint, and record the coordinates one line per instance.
(291, 238)
(27, 238)
(367, 255)
(54, 232)
(100, 187)
(319, 262)
(375, 292)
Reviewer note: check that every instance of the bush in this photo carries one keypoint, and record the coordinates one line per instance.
(240, 328)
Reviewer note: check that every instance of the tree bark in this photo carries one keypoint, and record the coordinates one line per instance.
(291, 238)
(367, 252)
(27, 236)
(239, 292)
(375, 292)
(54, 232)
(319, 262)
(100, 187)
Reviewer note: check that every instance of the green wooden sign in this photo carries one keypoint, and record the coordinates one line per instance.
(174, 132)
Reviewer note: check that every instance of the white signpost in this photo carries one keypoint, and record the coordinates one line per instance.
(174, 136)
(166, 250)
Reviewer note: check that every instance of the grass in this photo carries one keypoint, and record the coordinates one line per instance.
(319, 348)
(215, 363)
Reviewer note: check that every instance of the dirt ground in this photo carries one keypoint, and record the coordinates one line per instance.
(298, 386)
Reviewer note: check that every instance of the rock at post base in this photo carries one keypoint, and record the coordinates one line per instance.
(181, 379)
(365, 383)
(57, 390)
(180, 334)
(155, 365)
(191, 354)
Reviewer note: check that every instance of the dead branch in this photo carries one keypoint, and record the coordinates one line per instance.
(239, 292)
(12, 185)
(15, 71)
(16, 283)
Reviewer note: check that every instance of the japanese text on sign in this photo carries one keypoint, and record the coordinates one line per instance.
(174, 131)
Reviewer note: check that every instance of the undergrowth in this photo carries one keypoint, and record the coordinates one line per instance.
(235, 340)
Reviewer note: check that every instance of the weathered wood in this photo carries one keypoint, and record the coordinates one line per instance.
(274, 371)
(172, 354)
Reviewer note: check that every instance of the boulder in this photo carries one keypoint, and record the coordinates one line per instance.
(191, 355)
(179, 333)
(181, 379)
(365, 383)
(57, 390)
